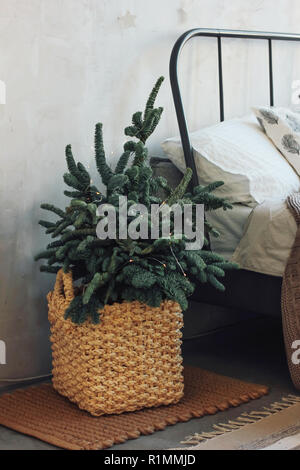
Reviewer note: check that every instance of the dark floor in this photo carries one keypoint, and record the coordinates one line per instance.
(252, 351)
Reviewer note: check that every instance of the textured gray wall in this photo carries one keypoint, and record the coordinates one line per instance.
(70, 63)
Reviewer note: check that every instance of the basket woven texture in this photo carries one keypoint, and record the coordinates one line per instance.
(290, 295)
(129, 361)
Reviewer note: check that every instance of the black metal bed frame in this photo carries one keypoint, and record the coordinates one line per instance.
(219, 34)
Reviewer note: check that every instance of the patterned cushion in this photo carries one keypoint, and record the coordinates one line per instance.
(282, 126)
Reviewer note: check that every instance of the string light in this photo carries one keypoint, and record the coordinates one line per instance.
(181, 268)
(160, 262)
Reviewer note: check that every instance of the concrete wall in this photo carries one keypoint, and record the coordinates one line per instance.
(70, 63)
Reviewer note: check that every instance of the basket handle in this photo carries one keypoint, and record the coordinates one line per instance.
(64, 285)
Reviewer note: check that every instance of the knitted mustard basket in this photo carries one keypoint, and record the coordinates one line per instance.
(129, 361)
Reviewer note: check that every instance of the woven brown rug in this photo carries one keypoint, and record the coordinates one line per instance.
(40, 412)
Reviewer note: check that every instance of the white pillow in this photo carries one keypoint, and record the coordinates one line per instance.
(239, 153)
(282, 126)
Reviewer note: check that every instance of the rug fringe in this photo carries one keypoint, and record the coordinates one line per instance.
(245, 419)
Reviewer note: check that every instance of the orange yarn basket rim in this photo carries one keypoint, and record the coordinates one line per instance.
(64, 285)
(64, 289)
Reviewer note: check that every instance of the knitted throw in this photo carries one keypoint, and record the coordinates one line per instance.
(290, 298)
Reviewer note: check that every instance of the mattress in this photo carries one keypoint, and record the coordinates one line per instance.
(258, 238)
(268, 237)
(231, 226)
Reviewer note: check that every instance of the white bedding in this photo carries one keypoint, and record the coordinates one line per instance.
(268, 238)
(260, 230)
(239, 153)
(231, 226)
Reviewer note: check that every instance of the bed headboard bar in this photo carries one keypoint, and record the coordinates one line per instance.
(219, 34)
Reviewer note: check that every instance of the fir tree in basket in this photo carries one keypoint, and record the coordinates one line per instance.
(114, 270)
